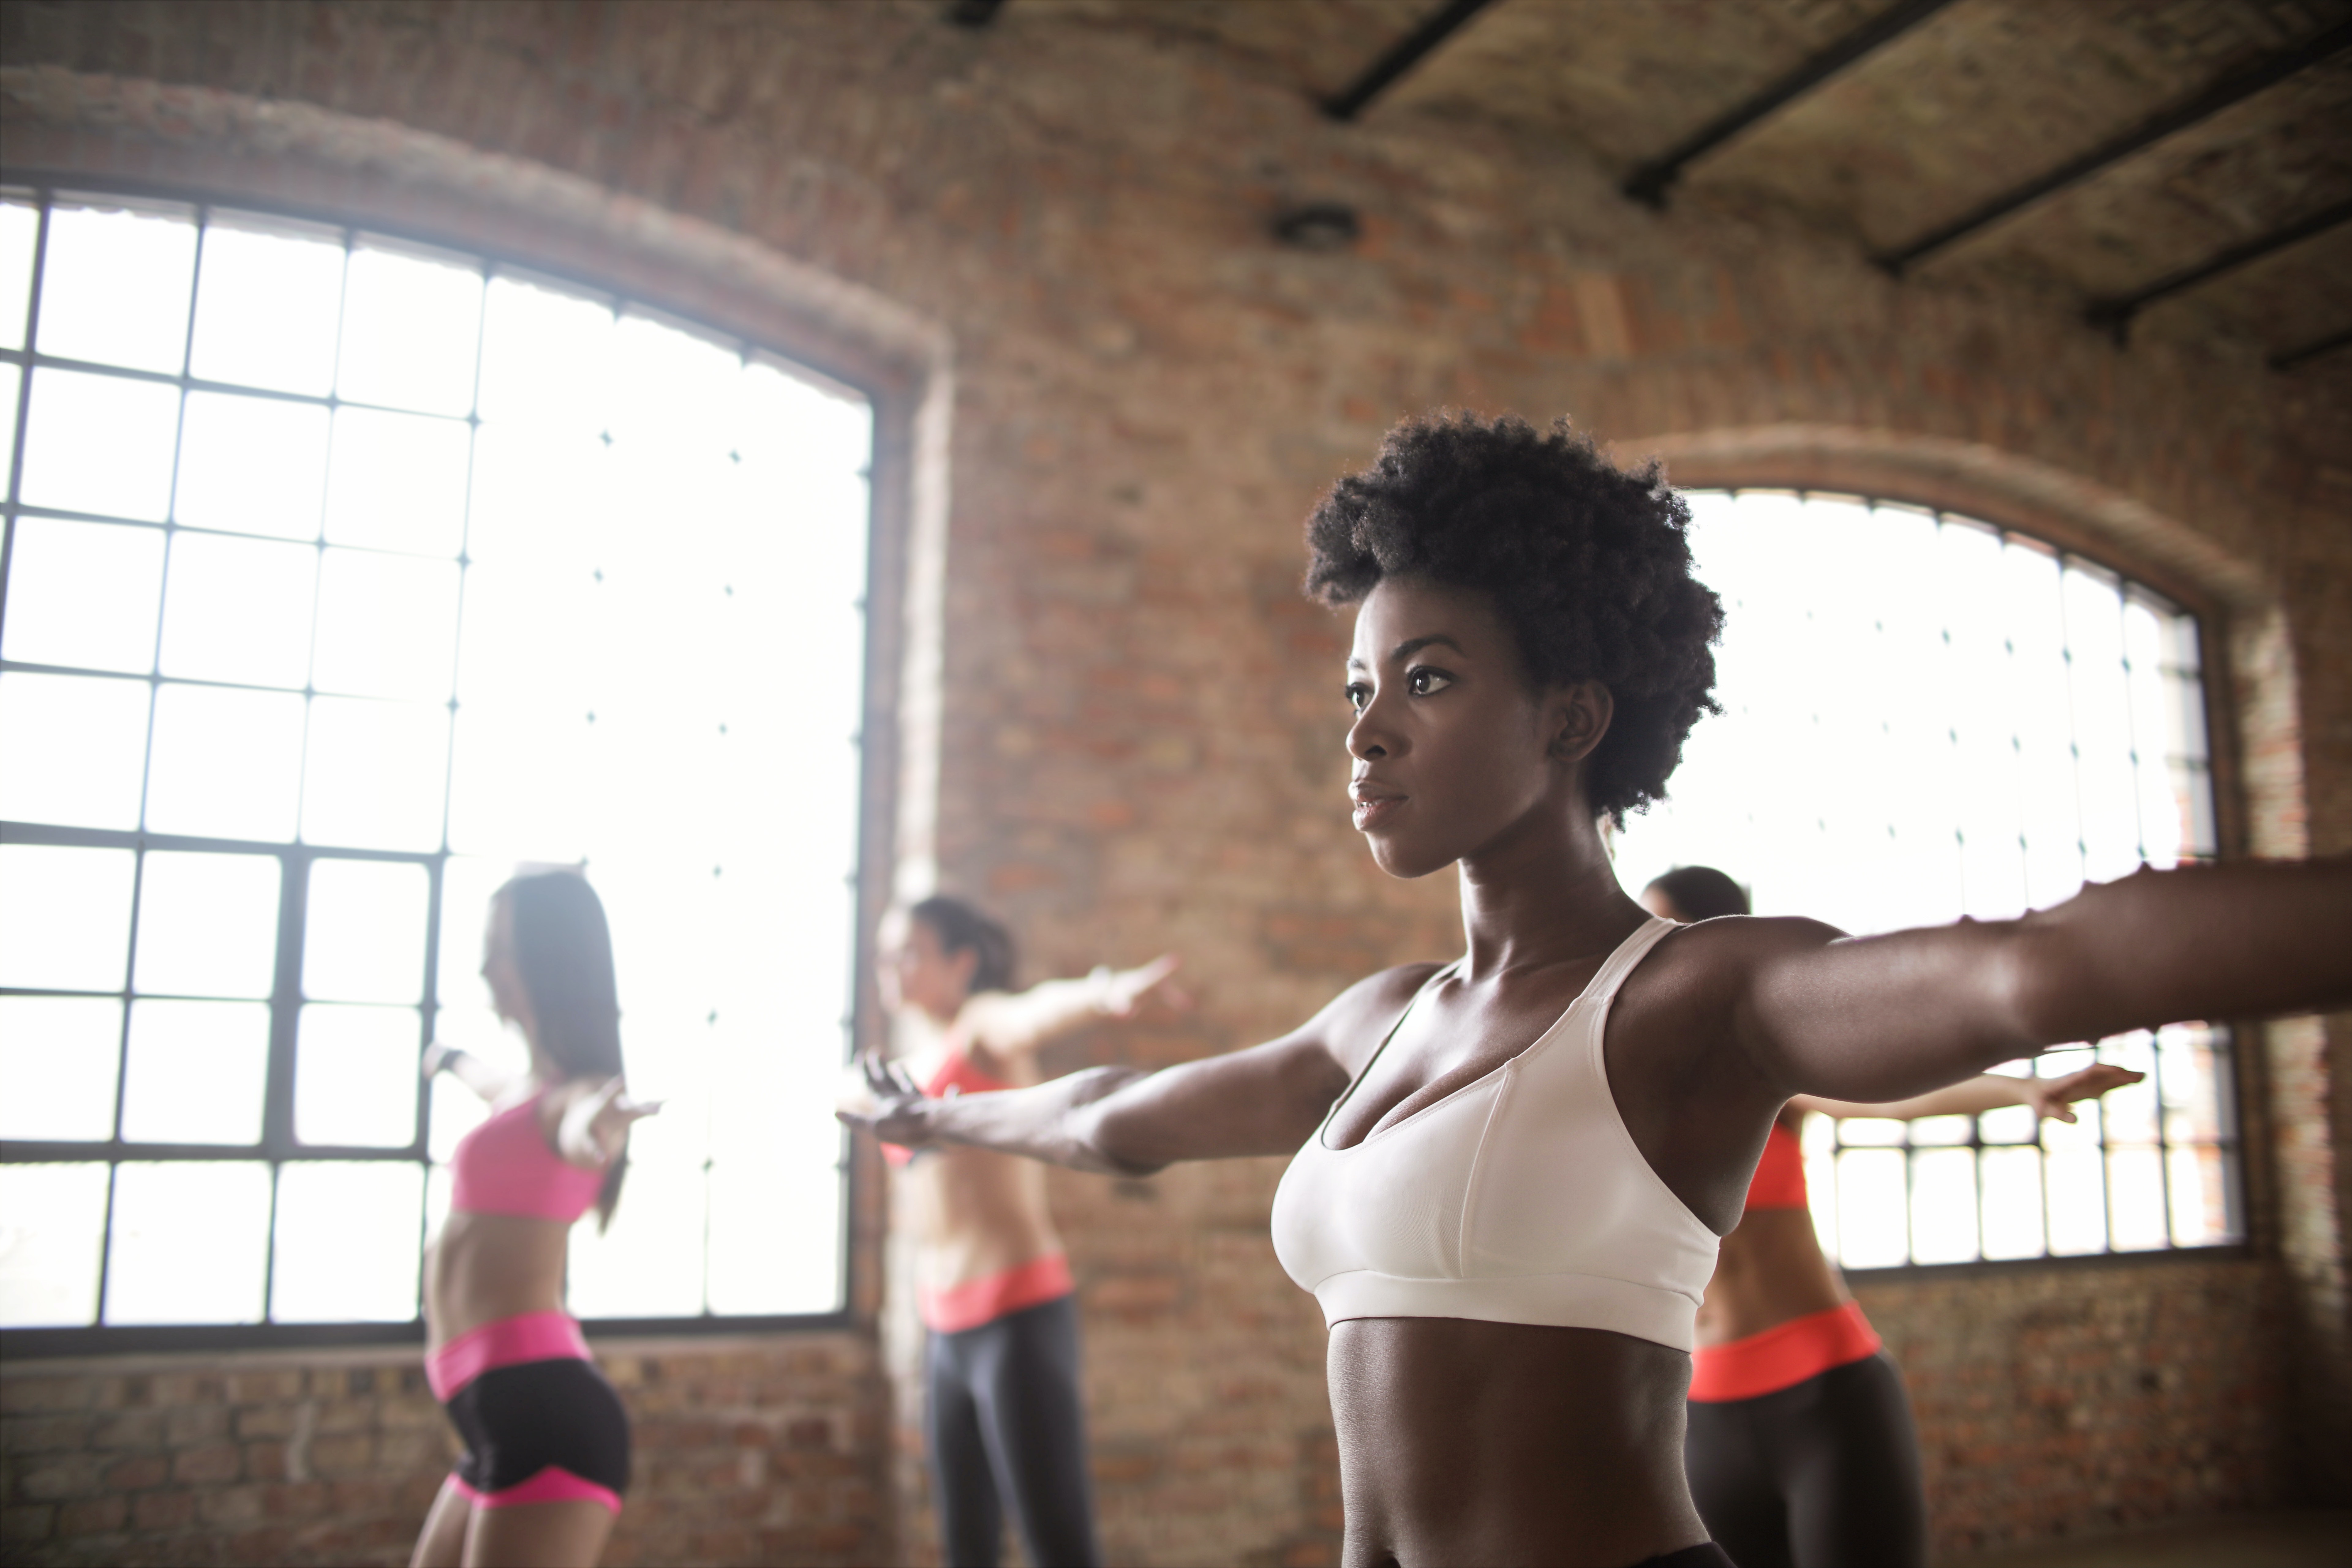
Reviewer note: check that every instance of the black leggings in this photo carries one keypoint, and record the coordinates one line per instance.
(1006, 1425)
(1821, 1475)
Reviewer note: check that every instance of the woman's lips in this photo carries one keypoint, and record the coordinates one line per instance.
(1374, 811)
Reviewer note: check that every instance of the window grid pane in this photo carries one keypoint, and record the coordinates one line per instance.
(2066, 743)
(299, 636)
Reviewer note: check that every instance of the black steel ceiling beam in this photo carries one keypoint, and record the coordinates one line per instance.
(2326, 345)
(1647, 185)
(1407, 53)
(2222, 95)
(2115, 314)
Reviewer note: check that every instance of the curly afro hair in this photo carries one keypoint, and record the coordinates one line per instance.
(1589, 564)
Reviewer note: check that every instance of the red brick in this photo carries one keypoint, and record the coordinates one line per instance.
(93, 1516)
(208, 1466)
(56, 1476)
(163, 1510)
(44, 1395)
(22, 1435)
(33, 1522)
(137, 1474)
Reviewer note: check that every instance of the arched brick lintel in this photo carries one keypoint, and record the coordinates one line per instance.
(1979, 481)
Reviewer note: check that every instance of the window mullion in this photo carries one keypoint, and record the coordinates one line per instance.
(286, 1003)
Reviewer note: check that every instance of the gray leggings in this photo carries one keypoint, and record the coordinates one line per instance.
(1006, 1425)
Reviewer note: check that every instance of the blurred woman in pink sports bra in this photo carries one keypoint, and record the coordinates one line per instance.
(547, 1443)
(1005, 1424)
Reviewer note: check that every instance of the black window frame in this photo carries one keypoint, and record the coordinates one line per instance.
(2226, 1037)
(278, 1146)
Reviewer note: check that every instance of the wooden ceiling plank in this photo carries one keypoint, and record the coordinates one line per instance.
(1648, 183)
(2115, 314)
(2312, 350)
(2222, 95)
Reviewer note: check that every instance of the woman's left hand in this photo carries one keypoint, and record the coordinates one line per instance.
(2051, 1097)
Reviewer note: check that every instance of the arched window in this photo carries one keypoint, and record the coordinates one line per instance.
(343, 574)
(1926, 717)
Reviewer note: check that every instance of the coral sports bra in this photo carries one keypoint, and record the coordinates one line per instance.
(504, 1166)
(1519, 1198)
(1779, 1179)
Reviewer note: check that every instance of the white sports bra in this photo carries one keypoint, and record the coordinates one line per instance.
(1519, 1198)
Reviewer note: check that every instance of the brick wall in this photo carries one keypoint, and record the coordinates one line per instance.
(750, 1451)
(1138, 744)
(2059, 1401)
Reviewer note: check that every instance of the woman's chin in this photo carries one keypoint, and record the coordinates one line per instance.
(1398, 857)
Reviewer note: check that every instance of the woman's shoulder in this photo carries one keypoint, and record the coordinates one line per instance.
(1381, 996)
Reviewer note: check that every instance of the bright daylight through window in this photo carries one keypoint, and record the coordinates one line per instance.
(1926, 717)
(343, 575)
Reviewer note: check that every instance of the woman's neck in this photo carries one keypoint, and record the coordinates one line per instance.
(1543, 893)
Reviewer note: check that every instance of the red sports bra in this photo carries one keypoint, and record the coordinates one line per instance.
(1779, 1180)
(504, 1166)
(956, 1074)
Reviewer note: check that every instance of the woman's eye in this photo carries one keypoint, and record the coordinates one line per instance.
(1358, 694)
(1426, 683)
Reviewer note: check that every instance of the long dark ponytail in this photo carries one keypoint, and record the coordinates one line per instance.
(564, 949)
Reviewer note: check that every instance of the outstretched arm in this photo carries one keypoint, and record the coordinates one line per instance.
(1874, 1019)
(467, 1068)
(1266, 1100)
(1012, 1022)
(2049, 1096)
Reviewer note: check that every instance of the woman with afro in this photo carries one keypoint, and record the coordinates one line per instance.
(1511, 1170)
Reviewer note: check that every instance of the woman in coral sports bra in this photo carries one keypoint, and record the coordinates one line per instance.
(547, 1443)
(1005, 1424)
(1801, 1452)
(1509, 1174)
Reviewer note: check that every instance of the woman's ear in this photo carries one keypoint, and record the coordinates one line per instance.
(1578, 716)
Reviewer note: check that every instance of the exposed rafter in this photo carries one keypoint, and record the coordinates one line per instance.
(2115, 314)
(1647, 185)
(974, 13)
(2326, 345)
(1406, 53)
(2222, 95)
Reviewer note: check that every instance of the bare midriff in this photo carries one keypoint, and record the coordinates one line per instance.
(977, 1213)
(1768, 1271)
(486, 1267)
(1466, 1442)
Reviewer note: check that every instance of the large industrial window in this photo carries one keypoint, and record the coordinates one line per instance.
(1924, 718)
(343, 575)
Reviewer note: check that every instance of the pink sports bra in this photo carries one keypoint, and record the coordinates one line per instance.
(504, 1166)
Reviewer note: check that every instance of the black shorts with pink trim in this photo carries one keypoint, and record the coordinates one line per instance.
(541, 1431)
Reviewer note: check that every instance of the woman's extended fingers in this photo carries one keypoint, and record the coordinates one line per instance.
(2054, 1097)
(1130, 988)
